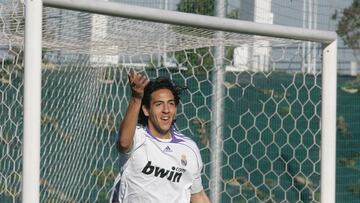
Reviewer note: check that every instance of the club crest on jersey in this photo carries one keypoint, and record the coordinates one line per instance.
(183, 160)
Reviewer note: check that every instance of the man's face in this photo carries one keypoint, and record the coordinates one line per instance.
(161, 113)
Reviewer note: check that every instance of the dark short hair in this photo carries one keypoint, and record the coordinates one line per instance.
(154, 85)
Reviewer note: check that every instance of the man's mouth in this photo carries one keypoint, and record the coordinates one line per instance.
(165, 118)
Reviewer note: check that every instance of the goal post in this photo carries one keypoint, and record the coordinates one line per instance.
(32, 102)
(328, 123)
(32, 112)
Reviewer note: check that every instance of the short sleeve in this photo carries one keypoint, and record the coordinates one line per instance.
(138, 140)
(197, 183)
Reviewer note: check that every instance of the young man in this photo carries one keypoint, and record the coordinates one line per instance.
(161, 165)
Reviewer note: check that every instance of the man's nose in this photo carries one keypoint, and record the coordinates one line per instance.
(166, 108)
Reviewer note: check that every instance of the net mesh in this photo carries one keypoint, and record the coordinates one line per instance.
(270, 137)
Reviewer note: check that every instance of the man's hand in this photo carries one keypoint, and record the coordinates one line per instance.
(138, 83)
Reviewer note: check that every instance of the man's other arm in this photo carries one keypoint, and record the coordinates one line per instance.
(200, 197)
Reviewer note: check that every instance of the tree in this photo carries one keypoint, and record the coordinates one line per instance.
(202, 7)
(349, 28)
(201, 56)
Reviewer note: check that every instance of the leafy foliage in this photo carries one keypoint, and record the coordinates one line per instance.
(202, 7)
(201, 59)
(349, 26)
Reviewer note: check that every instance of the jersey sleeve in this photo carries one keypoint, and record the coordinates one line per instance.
(197, 183)
(138, 140)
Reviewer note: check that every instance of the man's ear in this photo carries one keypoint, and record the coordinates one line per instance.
(145, 110)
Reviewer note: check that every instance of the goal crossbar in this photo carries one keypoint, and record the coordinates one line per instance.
(188, 19)
(31, 177)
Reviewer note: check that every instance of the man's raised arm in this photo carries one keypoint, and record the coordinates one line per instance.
(128, 124)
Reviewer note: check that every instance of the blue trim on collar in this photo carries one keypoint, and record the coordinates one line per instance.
(174, 139)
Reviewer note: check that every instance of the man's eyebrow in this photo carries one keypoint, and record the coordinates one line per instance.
(158, 101)
(163, 101)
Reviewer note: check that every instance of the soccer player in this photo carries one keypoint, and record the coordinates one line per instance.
(160, 165)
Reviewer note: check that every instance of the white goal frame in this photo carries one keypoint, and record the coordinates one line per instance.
(32, 83)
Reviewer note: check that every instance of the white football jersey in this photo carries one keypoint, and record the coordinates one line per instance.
(159, 171)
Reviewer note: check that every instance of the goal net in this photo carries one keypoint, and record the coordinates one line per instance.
(268, 127)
